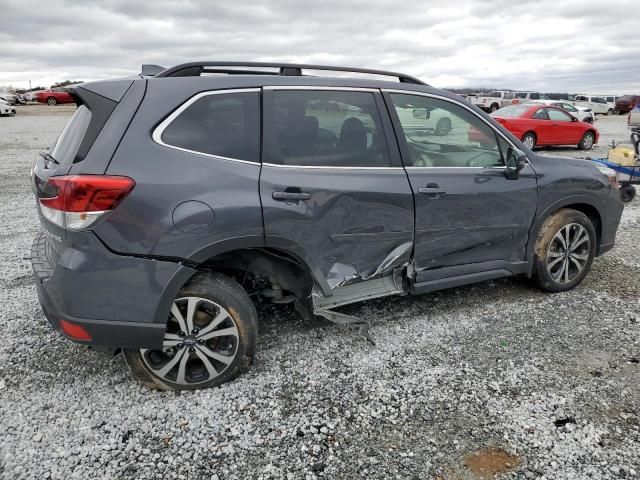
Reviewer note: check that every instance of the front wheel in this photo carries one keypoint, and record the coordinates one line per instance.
(627, 193)
(565, 249)
(51, 101)
(209, 339)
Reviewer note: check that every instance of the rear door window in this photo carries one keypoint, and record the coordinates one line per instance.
(535, 96)
(68, 143)
(325, 128)
(216, 123)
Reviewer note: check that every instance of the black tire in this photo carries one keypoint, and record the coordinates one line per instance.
(443, 127)
(588, 120)
(533, 139)
(610, 112)
(227, 293)
(546, 263)
(494, 107)
(587, 141)
(627, 193)
(51, 101)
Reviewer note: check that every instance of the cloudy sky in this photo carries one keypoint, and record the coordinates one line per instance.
(550, 45)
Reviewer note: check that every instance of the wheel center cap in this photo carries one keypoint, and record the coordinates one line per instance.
(190, 341)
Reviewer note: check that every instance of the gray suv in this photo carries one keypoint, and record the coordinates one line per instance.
(173, 202)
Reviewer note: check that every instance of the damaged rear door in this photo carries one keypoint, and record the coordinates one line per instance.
(332, 185)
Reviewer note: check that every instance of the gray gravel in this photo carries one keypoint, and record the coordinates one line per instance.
(551, 382)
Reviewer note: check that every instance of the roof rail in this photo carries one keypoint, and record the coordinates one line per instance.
(194, 69)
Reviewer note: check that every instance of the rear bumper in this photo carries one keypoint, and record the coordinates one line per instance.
(121, 301)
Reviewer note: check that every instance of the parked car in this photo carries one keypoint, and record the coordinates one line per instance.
(561, 96)
(634, 117)
(6, 108)
(54, 97)
(611, 103)
(524, 97)
(595, 103)
(538, 125)
(495, 100)
(10, 98)
(626, 103)
(583, 114)
(170, 204)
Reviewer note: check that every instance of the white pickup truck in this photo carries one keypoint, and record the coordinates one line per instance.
(493, 101)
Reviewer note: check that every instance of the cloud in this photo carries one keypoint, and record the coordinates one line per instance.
(574, 45)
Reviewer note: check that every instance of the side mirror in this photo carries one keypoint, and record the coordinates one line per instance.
(421, 113)
(516, 161)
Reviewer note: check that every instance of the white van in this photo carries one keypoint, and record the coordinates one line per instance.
(595, 103)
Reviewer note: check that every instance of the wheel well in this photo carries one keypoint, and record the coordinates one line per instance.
(593, 214)
(266, 274)
(530, 132)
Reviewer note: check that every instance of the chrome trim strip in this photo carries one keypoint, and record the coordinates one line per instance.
(158, 131)
(329, 167)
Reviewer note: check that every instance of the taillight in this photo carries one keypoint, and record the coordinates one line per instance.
(77, 201)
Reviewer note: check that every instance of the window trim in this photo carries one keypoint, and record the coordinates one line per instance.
(456, 102)
(375, 91)
(156, 135)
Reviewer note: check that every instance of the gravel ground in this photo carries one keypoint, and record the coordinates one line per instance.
(492, 378)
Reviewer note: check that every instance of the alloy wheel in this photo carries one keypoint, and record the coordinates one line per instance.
(528, 141)
(587, 142)
(568, 253)
(200, 342)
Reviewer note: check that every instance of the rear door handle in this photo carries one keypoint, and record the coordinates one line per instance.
(290, 196)
(432, 189)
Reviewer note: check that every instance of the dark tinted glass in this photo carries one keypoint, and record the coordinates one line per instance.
(535, 96)
(325, 128)
(225, 125)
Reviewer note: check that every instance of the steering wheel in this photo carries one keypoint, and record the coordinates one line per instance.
(473, 161)
(420, 158)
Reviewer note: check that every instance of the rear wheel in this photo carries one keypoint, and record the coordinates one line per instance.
(565, 248)
(209, 339)
(529, 140)
(494, 107)
(587, 141)
(610, 112)
(51, 101)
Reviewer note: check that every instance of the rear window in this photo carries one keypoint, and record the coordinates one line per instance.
(68, 143)
(221, 124)
(511, 111)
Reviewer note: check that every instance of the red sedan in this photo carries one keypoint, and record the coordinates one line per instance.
(53, 97)
(538, 125)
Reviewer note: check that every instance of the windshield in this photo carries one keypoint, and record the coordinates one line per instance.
(68, 143)
(511, 111)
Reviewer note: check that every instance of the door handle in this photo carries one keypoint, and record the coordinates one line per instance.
(433, 190)
(290, 196)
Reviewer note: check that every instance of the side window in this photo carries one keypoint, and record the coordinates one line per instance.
(442, 134)
(599, 100)
(558, 115)
(508, 95)
(541, 114)
(221, 124)
(535, 96)
(580, 98)
(325, 128)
